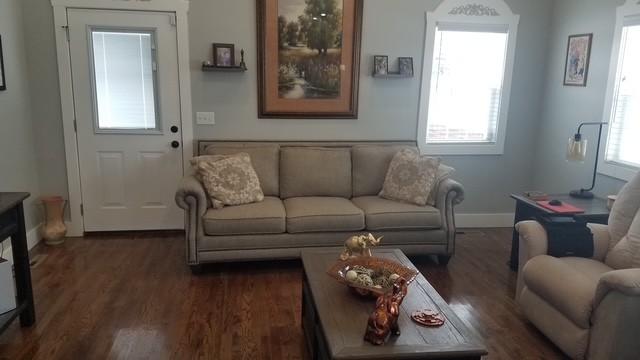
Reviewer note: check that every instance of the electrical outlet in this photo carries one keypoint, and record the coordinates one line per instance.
(205, 118)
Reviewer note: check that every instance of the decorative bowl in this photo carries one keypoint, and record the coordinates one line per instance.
(339, 271)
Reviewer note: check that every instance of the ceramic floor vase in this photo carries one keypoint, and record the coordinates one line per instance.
(54, 229)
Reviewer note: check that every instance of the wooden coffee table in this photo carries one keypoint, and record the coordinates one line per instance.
(334, 319)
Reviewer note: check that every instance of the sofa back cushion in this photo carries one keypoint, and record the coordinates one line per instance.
(265, 159)
(370, 165)
(624, 227)
(624, 210)
(626, 253)
(313, 171)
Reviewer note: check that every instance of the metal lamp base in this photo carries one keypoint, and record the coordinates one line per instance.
(582, 194)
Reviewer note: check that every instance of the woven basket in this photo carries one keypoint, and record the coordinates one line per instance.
(339, 270)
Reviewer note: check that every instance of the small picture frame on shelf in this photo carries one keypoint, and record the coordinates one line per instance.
(380, 65)
(224, 55)
(406, 66)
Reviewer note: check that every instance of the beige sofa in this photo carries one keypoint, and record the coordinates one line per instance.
(316, 195)
(590, 308)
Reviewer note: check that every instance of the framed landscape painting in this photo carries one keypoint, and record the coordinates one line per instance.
(308, 58)
(577, 63)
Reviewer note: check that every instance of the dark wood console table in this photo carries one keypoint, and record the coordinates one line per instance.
(595, 211)
(12, 225)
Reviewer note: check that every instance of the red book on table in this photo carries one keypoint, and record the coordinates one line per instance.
(561, 209)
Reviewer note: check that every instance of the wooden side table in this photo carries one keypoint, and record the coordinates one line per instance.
(12, 225)
(595, 211)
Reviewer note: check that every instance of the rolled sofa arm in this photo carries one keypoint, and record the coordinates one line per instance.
(449, 190)
(450, 193)
(191, 197)
(616, 315)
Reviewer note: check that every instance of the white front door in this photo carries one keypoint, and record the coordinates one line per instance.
(127, 103)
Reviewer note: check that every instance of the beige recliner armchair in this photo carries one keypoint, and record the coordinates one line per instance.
(590, 308)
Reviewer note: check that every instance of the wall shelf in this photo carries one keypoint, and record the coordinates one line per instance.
(209, 68)
(392, 76)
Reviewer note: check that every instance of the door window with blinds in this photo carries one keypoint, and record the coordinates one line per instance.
(467, 79)
(623, 147)
(124, 81)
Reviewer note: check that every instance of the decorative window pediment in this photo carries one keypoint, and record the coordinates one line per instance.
(469, 56)
(474, 10)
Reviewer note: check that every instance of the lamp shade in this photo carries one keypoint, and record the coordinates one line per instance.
(576, 149)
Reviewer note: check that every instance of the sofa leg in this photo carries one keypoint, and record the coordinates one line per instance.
(196, 269)
(444, 259)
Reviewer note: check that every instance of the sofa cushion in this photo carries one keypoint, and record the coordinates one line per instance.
(265, 159)
(626, 253)
(266, 217)
(624, 227)
(410, 177)
(230, 180)
(370, 165)
(315, 172)
(316, 214)
(568, 284)
(383, 214)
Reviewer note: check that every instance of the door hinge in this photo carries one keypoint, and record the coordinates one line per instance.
(75, 125)
(172, 20)
(82, 209)
(66, 31)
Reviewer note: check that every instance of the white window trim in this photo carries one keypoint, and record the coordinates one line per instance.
(630, 9)
(180, 7)
(468, 12)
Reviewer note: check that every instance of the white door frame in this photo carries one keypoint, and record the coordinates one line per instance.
(180, 8)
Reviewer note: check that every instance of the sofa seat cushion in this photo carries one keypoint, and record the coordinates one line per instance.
(266, 217)
(383, 214)
(320, 214)
(568, 284)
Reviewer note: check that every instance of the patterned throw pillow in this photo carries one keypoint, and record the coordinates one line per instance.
(229, 180)
(410, 177)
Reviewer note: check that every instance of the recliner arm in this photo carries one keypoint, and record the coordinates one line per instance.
(625, 281)
(191, 197)
(616, 316)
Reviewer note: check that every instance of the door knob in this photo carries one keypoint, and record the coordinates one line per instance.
(174, 129)
(175, 144)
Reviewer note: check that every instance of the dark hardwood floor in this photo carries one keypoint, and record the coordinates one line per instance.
(133, 297)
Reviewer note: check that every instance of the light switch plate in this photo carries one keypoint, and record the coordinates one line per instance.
(205, 118)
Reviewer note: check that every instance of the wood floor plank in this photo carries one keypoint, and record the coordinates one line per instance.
(131, 296)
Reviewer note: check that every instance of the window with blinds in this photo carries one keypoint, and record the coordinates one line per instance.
(623, 147)
(124, 84)
(466, 85)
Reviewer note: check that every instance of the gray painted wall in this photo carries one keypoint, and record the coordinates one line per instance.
(388, 108)
(18, 165)
(565, 107)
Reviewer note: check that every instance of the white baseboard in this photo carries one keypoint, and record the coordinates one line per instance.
(484, 220)
(33, 239)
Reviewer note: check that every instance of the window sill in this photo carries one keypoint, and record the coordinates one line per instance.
(461, 149)
(625, 173)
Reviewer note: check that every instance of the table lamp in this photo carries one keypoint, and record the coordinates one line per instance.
(577, 152)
